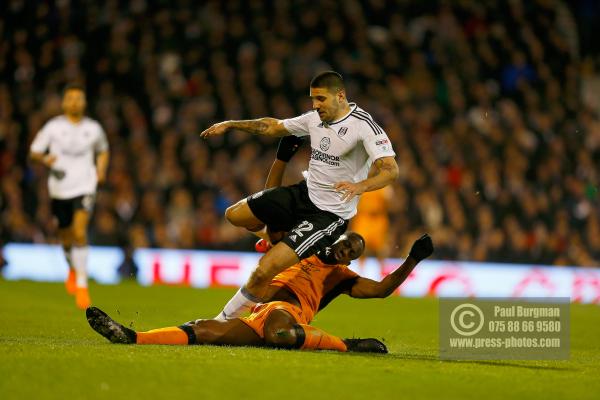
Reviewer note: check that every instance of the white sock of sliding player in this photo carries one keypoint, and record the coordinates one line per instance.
(241, 302)
(79, 255)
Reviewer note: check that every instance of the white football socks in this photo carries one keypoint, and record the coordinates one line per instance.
(79, 256)
(241, 302)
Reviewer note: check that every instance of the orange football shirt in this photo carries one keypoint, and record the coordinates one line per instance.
(310, 280)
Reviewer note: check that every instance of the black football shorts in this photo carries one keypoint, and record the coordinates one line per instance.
(63, 209)
(289, 209)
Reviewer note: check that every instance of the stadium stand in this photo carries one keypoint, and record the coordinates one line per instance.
(493, 108)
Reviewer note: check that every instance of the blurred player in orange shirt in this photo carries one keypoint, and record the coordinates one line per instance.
(372, 222)
(296, 295)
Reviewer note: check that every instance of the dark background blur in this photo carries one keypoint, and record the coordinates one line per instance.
(493, 108)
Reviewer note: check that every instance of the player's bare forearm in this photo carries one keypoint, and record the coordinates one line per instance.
(42, 158)
(396, 278)
(275, 176)
(384, 172)
(261, 126)
(102, 165)
(37, 157)
(368, 289)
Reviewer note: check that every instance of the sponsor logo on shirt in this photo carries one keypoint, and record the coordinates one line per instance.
(382, 141)
(324, 157)
(325, 143)
(309, 267)
(342, 131)
(74, 151)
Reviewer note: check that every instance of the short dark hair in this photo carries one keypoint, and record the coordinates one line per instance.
(357, 236)
(73, 86)
(330, 80)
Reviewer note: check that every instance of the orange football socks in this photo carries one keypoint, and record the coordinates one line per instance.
(170, 335)
(316, 339)
(70, 283)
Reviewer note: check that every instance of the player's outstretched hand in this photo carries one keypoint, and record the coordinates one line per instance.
(216, 129)
(422, 248)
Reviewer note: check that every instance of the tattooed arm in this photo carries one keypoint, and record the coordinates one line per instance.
(262, 126)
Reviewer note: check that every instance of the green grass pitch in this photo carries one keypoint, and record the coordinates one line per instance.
(47, 350)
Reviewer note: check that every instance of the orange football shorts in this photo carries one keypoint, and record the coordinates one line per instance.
(261, 312)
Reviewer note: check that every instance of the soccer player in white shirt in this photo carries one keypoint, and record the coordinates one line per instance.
(75, 150)
(345, 142)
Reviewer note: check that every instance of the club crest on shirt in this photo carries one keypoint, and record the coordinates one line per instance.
(342, 131)
(325, 142)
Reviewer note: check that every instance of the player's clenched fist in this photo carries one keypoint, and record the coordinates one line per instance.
(216, 129)
(49, 160)
(422, 248)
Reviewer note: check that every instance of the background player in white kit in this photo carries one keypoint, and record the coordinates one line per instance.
(345, 142)
(75, 150)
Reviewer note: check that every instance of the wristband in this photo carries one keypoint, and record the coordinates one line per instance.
(288, 146)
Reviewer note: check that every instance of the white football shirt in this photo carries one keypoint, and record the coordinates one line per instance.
(75, 147)
(342, 150)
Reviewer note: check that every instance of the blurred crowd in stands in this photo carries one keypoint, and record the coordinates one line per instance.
(493, 108)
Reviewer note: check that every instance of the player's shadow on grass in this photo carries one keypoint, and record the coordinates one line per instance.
(429, 357)
(515, 364)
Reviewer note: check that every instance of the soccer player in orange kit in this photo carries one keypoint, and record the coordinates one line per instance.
(295, 296)
(372, 222)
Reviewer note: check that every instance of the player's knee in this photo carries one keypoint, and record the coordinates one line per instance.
(66, 237)
(240, 215)
(67, 243)
(282, 337)
(279, 330)
(236, 215)
(79, 237)
(232, 214)
(204, 335)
